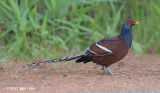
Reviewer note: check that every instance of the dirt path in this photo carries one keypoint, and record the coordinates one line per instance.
(132, 73)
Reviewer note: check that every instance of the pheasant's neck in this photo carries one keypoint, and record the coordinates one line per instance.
(126, 35)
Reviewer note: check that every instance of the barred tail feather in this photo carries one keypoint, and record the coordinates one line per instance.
(54, 60)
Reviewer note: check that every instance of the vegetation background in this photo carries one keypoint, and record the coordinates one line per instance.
(51, 28)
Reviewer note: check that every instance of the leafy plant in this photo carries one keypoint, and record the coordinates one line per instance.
(29, 28)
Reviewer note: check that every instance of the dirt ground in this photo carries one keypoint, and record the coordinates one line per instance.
(132, 73)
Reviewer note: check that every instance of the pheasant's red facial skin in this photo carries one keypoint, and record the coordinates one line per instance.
(132, 22)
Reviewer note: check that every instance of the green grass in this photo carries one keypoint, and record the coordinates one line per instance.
(31, 28)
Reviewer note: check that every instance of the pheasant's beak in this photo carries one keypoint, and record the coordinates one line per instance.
(136, 23)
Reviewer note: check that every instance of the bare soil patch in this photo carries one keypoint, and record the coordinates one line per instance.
(132, 73)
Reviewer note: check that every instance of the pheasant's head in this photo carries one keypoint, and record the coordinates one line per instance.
(132, 22)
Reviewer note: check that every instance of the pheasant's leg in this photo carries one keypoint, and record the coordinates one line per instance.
(104, 70)
(109, 71)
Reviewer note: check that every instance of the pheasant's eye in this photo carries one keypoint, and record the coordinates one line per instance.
(132, 22)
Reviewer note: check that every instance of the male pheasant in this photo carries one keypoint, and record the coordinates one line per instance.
(104, 52)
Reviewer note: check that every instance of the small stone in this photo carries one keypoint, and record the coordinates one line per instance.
(64, 75)
(85, 72)
(129, 77)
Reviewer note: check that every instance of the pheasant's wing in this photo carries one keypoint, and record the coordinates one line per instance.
(103, 47)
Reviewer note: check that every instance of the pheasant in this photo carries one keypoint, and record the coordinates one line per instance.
(104, 52)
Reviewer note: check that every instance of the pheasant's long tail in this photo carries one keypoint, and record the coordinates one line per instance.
(54, 60)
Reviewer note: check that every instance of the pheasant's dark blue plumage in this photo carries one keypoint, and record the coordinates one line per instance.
(126, 33)
(104, 52)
